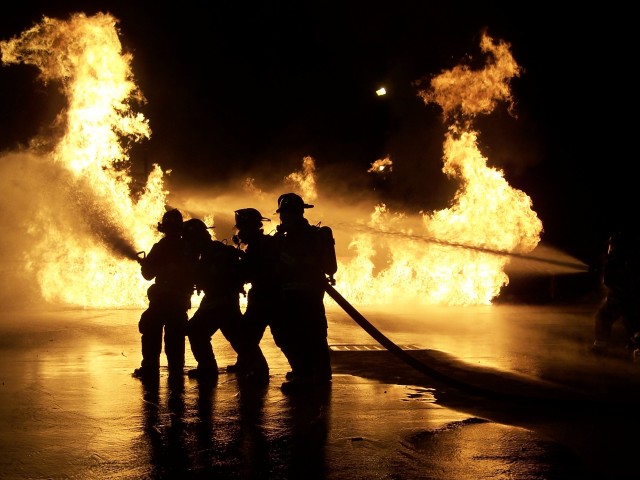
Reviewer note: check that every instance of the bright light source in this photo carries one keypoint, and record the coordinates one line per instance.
(381, 91)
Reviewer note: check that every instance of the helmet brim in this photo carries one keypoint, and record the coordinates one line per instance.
(293, 208)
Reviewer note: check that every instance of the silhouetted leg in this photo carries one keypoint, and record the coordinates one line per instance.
(200, 329)
(175, 331)
(244, 336)
(151, 326)
(607, 314)
(282, 338)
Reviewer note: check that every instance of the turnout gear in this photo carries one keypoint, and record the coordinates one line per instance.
(327, 250)
(219, 272)
(219, 275)
(621, 278)
(171, 268)
(621, 272)
(258, 264)
(305, 257)
(310, 257)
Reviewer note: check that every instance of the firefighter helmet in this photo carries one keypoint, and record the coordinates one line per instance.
(249, 218)
(290, 202)
(171, 221)
(195, 230)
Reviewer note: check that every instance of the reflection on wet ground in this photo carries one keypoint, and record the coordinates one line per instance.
(537, 405)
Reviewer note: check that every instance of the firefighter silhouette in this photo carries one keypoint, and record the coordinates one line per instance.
(169, 265)
(217, 274)
(305, 262)
(621, 279)
(258, 262)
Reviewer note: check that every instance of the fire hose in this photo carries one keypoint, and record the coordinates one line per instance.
(414, 362)
(378, 336)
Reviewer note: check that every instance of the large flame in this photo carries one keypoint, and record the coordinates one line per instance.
(486, 212)
(87, 233)
(305, 180)
(86, 240)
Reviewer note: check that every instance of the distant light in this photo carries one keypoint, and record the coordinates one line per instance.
(381, 91)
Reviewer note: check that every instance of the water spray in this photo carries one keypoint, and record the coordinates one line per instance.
(117, 243)
(577, 266)
(105, 227)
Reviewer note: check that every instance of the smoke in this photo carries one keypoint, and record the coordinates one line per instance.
(38, 197)
(28, 187)
(337, 209)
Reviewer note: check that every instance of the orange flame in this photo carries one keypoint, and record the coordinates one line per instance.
(381, 165)
(85, 254)
(73, 257)
(305, 181)
(485, 212)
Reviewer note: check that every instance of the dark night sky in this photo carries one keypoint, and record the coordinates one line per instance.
(235, 88)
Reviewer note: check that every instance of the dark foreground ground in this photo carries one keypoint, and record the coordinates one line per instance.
(487, 393)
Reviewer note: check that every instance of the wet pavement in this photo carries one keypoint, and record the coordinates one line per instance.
(505, 391)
